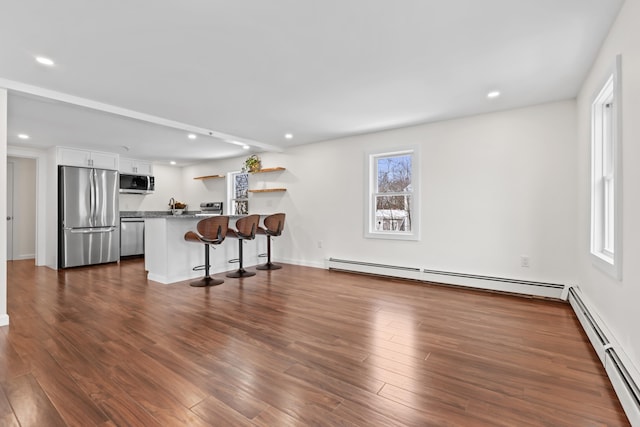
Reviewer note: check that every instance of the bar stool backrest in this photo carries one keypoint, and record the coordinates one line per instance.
(214, 228)
(274, 224)
(247, 226)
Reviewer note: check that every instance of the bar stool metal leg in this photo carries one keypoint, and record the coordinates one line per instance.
(269, 265)
(207, 280)
(240, 272)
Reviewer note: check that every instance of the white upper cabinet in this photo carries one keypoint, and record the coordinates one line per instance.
(136, 167)
(86, 158)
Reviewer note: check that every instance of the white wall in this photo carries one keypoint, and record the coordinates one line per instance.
(494, 187)
(169, 183)
(51, 209)
(615, 301)
(24, 208)
(4, 318)
(208, 190)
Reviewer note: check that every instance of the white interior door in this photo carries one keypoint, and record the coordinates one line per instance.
(9, 211)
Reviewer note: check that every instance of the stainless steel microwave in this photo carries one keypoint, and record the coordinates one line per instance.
(137, 184)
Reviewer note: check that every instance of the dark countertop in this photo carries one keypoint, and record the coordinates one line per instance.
(168, 214)
(153, 214)
(159, 214)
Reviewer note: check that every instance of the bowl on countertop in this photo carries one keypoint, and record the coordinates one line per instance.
(177, 211)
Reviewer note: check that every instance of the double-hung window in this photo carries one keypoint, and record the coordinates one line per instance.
(605, 177)
(238, 193)
(392, 197)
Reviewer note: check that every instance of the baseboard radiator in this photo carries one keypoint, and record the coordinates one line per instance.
(502, 284)
(617, 365)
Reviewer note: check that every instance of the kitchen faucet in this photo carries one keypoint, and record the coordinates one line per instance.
(172, 203)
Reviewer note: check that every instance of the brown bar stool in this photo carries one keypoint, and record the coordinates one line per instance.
(211, 231)
(245, 230)
(273, 226)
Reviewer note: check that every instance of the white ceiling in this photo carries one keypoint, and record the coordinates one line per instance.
(255, 70)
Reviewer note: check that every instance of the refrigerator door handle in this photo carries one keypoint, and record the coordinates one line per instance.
(92, 197)
(90, 230)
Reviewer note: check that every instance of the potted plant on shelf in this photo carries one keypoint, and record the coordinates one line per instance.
(253, 163)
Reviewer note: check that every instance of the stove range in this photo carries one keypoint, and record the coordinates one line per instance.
(210, 208)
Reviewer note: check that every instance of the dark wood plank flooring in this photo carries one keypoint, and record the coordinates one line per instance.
(102, 346)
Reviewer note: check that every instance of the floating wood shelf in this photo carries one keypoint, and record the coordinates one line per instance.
(209, 177)
(268, 190)
(276, 169)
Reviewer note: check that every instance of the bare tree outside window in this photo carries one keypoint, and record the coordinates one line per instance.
(241, 193)
(393, 193)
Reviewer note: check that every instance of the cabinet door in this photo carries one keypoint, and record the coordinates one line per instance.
(127, 166)
(104, 160)
(144, 168)
(73, 157)
(136, 167)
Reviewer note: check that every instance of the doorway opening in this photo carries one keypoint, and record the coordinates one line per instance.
(21, 208)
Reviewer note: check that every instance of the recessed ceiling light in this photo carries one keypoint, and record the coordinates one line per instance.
(172, 162)
(44, 61)
(245, 147)
(23, 136)
(288, 135)
(493, 94)
(192, 136)
(231, 141)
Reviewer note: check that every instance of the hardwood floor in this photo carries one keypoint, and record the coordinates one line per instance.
(102, 346)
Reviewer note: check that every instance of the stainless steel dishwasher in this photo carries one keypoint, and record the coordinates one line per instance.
(131, 236)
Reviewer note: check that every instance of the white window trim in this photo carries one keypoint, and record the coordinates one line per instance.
(606, 261)
(369, 205)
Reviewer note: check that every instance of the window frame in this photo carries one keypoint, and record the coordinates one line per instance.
(231, 192)
(606, 175)
(371, 180)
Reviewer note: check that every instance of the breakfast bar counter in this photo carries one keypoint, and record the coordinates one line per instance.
(169, 258)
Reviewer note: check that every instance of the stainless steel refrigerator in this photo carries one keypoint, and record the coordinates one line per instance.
(88, 216)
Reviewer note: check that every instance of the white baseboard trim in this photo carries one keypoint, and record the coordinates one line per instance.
(303, 263)
(23, 257)
(623, 374)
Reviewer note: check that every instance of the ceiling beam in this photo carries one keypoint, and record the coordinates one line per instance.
(24, 88)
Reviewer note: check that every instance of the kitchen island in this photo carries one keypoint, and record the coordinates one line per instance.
(169, 258)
